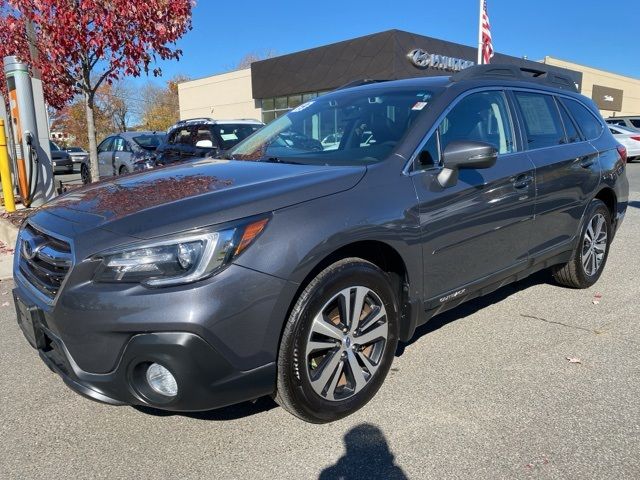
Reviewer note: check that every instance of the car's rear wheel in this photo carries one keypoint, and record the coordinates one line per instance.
(338, 343)
(85, 175)
(123, 170)
(590, 255)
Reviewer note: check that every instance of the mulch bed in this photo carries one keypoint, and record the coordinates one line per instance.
(17, 217)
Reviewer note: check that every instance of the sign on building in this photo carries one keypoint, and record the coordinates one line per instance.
(607, 98)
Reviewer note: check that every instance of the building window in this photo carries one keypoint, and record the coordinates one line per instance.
(273, 108)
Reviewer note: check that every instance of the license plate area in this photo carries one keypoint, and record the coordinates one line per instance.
(30, 320)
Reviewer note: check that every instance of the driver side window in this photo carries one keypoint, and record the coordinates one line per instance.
(481, 117)
(105, 146)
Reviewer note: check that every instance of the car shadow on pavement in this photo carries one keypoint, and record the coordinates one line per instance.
(367, 456)
(634, 204)
(232, 412)
(472, 306)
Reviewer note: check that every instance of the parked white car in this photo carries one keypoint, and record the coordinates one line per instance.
(629, 138)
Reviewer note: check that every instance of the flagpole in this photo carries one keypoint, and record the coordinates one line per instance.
(480, 32)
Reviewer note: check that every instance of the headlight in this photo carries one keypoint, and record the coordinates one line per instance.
(179, 259)
(145, 164)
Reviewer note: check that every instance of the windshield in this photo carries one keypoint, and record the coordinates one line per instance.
(53, 147)
(149, 141)
(342, 128)
(232, 133)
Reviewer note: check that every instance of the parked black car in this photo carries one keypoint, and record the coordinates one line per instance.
(203, 137)
(288, 270)
(60, 160)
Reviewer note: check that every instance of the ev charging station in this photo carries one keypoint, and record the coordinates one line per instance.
(34, 173)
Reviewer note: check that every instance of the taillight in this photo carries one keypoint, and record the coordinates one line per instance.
(635, 137)
(623, 152)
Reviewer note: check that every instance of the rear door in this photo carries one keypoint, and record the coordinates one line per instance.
(478, 229)
(176, 142)
(122, 156)
(567, 170)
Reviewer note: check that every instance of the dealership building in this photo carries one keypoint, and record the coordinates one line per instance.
(272, 87)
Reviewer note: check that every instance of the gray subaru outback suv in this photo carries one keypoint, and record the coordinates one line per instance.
(287, 269)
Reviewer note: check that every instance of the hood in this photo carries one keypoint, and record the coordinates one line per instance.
(206, 192)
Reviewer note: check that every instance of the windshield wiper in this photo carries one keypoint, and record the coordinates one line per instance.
(279, 160)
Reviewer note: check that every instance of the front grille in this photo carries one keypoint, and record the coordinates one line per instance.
(44, 260)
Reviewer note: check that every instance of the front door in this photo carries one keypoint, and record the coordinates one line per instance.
(105, 157)
(478, 229)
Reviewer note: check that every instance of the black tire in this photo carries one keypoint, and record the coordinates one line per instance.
(573, 273)
(294, 389)
(123, 170)
(85, 174)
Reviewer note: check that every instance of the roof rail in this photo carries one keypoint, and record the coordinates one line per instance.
(198, 119)
(514, 72)
(358, 83)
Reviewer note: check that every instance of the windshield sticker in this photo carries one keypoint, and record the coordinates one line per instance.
(419, 106)
(302, 107)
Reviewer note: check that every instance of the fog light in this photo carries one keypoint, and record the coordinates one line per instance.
(161, 380)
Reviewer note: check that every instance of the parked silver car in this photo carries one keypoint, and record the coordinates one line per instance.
(78, 155)
(629, 138)
(632, 122)
(117, 153)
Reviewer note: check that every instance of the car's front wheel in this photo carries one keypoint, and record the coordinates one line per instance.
(592, 249)
(338, 343)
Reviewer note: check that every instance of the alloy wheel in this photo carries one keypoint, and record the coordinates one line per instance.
(346, 343)
(594, 244)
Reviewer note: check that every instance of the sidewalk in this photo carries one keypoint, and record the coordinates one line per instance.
(8, 235)
(6, 261)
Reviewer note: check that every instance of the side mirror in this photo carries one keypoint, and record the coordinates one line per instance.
(204, 144)
(468, 154)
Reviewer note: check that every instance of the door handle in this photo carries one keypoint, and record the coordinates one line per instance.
(522, 181)
(586, 162)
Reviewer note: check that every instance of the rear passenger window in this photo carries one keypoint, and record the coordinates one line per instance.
(182, 135)
(541, 119)
(635, 122)
(572, 132)
(590, 126)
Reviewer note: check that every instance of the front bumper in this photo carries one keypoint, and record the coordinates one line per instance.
(219, 338)
(205, 379)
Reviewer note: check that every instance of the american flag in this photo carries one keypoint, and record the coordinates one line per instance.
(487, 46)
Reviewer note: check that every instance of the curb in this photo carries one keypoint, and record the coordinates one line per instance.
(8, 233)
(8, 236)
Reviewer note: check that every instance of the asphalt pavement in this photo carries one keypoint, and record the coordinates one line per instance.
(533, 381)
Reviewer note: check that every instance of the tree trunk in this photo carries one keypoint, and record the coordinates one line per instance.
(91, 132)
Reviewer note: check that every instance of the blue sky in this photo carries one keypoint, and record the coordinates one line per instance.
(589, 32)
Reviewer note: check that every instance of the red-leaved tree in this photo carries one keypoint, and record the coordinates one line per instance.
(82, 44)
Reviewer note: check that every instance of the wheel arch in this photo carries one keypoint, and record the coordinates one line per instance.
(608, 196)
(385, 257)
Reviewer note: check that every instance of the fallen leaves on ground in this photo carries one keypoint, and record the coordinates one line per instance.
(5, 250)
(596, 298)
(18, 216)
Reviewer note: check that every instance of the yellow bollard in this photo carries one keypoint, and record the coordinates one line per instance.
(5, 172)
